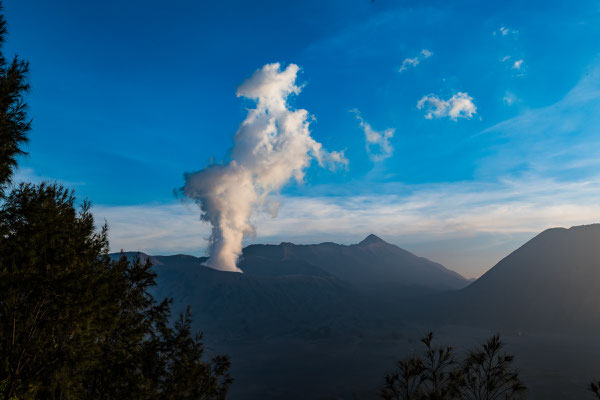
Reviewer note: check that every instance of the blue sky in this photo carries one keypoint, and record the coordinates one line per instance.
(127, 96)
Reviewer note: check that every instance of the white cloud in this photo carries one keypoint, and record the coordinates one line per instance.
(474, 214)
(272, 146)
(413, 62)
(504, 31)
(155, 228)
(465, 225)
(29, 175)
(517, 64)
(509, 98)
(559, 139)
(462, 208)
(458, 106)
(378, 143)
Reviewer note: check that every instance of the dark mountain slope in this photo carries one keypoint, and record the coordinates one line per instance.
(233, 304)
(550, 283)
(287, 287)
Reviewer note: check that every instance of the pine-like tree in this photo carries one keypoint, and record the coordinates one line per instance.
(52, 264)
(74, 324)
(14, 122)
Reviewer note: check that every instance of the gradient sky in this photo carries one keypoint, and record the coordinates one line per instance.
(127, 96)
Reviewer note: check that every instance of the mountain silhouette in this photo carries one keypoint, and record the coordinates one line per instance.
(370, 264)
(341, 314)
(287, 287)
(550, 283)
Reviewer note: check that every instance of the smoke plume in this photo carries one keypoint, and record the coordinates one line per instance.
(271, 147)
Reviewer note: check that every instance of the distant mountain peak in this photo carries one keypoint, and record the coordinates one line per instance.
(371, 239)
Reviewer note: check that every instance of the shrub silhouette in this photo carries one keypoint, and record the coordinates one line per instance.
(485, 374)
(488, 374)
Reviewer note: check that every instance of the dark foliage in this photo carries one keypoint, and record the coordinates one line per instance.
(432, 376)
(488, 374)
(49, 270)
(438, 373)
(14, 123)
(485, 374)
(595, 388)
(405, 383)
(75, 325)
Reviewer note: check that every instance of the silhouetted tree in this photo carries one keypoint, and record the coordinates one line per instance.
(485, 374)
(488, 374)
(74, 324)
(595, 388)
(14, 123)
(406, 382)
(440, 379)
(186, 375)
(432, 376)
(52, 271)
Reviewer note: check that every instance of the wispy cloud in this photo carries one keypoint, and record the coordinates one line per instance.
(505, 31)
(377, 143)
(560, 139)
(463, 208)
(517, 64)
(413, 62)
(461, 211)
(509, 98)
(458, 106)
(29, 175)
(155, 228)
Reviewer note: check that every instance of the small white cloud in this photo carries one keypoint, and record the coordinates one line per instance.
(517, 64)
(504, 31)
(378, 143)
(509, 98)
(413, 62)
(426, 53)
(458, 106)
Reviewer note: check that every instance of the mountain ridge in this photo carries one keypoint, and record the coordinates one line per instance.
(553, 280)
(290, 287)
(386, 263)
